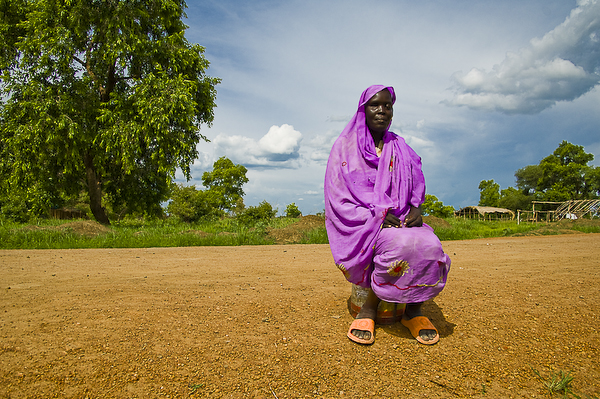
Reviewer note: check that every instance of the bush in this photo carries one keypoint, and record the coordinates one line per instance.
(292, 211)
(433, 206)
(191, 205)
(254, 214)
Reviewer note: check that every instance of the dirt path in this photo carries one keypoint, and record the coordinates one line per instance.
(271, 321)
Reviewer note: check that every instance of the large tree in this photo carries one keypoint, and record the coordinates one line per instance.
(527, 178)
(513, 199)
(563, 175)
(489, 193)
(225, 183)
(105, 96)
(566, 174)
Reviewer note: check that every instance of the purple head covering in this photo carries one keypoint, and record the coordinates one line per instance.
(360, 188)
(359, 123)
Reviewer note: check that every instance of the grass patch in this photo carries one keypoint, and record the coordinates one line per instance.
(170, 232)
(135, 233)
(560, 383)
(467, 229)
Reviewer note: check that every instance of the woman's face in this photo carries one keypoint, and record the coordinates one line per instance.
(379, 112)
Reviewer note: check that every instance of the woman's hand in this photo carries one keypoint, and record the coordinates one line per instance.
(391, 220)
(413, 219)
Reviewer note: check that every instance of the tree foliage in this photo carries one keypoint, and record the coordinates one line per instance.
(292, 211)
(191, 205)
(433, 206)
(564, 175)
(225, 183)
(223, 192)
(489, 193)
(513, 199)
(527, 178)
(256, 214)
(105, 96)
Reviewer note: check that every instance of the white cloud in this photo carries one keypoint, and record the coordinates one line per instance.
(272, 75)
(281, 141)
(278, 148)
(561, 66)
(321, 145)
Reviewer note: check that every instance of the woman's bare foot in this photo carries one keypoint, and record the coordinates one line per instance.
(367, 311)
(414, 310)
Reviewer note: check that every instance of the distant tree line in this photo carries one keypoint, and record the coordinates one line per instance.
(564, 175)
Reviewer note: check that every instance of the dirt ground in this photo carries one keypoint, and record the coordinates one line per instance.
(271, 322)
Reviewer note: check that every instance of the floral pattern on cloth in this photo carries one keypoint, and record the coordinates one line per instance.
(398, 268)
(342, 268)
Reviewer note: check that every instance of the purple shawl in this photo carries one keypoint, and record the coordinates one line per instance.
(360, 188)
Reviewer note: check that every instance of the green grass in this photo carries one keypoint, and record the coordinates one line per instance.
(135, 233)
(560, 383)
(466, 229)
(140, 233)
(587, 229)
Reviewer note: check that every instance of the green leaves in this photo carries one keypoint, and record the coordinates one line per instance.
(562, 176)
(433, 206)
(292, 211)
(101, 96)
(225, 182)
(224, 193)
(565, 175)
(489, 193)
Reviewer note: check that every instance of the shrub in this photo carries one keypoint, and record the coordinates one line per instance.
(254, 214)
(433, 206)
(292, 211)
(191, 205)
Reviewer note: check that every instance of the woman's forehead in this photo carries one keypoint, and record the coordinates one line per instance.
(381, 96)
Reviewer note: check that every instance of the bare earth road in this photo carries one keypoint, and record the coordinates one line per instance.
(271, 322)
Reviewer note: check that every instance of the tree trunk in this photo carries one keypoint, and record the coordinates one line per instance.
(94, 190)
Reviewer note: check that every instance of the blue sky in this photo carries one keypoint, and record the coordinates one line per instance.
(484, 87)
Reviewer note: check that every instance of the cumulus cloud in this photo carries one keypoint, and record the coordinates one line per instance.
(321, 145)
(278, 148)
(561, 66)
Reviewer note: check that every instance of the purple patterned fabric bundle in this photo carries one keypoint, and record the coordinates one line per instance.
(403, 265)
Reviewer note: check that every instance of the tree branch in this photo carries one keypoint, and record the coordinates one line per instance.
(79, 60)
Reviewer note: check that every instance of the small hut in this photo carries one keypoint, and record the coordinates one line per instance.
(485, 213)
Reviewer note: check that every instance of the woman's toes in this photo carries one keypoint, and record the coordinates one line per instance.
(427, 335)
(361, 334)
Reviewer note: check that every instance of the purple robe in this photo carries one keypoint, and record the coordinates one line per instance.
(403, 265)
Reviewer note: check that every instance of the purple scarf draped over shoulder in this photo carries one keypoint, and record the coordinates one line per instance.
(361, 187)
